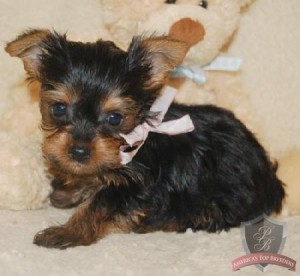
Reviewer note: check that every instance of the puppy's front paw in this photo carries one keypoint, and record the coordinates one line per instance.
(58, 237)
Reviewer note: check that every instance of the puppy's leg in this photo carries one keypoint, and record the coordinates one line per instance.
(85, 227)
(72, 194)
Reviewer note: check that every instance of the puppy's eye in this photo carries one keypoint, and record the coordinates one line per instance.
(203, 4)
(114, 119)
(59, 109)
(170, 1)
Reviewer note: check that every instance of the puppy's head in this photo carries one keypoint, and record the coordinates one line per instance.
(92, 92)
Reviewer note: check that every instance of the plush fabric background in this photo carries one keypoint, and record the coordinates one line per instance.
(269, 42)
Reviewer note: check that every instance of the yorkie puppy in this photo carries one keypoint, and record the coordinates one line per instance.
(93, 97)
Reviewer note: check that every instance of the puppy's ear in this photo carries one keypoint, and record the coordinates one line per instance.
(28, 47)
(157, 56)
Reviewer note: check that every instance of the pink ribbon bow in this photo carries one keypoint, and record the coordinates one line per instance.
(138, 136)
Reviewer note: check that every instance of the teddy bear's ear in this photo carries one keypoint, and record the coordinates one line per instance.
(27, 46)
(158, 56)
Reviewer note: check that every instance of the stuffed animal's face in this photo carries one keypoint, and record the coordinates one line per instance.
(205, 25)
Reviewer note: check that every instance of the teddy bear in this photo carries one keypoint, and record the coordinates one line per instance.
(186, 20)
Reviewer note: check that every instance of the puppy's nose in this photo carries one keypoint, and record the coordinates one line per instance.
(79, 153)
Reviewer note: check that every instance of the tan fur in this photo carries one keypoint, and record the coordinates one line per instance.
(165, 55)
(26, 48)
(34, 91)
(22, 44)
(55, 149)
(124, 106)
